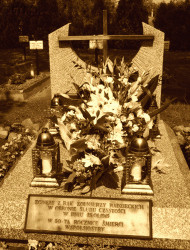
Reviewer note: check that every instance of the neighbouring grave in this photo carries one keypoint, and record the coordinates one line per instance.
(103, 216)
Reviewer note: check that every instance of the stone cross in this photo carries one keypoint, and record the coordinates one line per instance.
(105, 37)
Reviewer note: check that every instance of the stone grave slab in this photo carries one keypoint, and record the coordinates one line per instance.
(170, 210)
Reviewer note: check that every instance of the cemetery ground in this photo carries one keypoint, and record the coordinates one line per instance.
(175, 84)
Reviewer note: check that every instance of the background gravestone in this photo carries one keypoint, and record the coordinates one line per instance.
(63, 72)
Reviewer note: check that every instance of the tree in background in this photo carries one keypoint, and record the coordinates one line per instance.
(128, 20)
(151, 6)
(174, 19)
(129, 16)
(86, 17)
(38, 19)
(47, 19)
(11, 17)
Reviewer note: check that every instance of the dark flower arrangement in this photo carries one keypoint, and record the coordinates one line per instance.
(111, 106)
(14, 148)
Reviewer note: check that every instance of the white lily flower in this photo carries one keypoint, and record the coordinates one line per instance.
(90, 160)
(131, 117)
(135, 128)
(146, 117)
(73, 126)
(123, 118)
(129, 124)
(71, 113)
(79, 115)
(150, 124)
(125, 81)
(139, 113)
(62, 119)
(109, 79)
(134, 98)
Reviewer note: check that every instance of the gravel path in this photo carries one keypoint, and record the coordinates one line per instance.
(34, 107)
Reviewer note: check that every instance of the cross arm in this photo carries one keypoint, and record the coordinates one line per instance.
(105, 37)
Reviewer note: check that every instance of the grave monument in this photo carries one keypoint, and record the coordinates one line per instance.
(102, 216)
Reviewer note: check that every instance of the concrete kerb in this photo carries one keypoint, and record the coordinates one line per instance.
(23, 94)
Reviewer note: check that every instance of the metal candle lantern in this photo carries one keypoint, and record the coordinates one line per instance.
(137, 172)
(56, 101)
(56, 105)
(45, 161)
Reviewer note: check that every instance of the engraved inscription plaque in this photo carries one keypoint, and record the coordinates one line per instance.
(89, 216)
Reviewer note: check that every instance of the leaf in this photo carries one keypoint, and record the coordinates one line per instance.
(133, 77)
(105, 161)
(110, 66)
(67, 169)
(70, 181)
(157, 111)
(95, 179)
(85, 190)
(65, 134)
(100, 153)
(148, 91)
(110, 180)
(102, 119)
(54, 119)
(86, 114)
(153, 83)
(101, 128)
(65, 96)
(115, 68)
(76, 86)
(79, 144)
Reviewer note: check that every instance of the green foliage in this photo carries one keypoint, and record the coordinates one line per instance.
(174, 20)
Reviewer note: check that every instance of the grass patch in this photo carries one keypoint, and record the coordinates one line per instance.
(177, 114)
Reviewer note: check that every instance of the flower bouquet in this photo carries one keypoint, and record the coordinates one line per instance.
(111, 106)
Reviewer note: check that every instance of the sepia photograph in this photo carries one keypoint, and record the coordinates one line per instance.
(94, 124)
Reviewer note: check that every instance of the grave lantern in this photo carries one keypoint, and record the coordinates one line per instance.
(55, 112)
(45, 161)
(32, 70)
(56, 101)
(137, 171)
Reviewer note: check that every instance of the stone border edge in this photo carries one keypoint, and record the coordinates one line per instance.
(23, 94)
(178, 153)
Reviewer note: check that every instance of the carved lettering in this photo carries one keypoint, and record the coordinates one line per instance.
(42, 202)
(112, 224)
(96, 215)
(77, 214)
(85, 228)
(130, 206)
(85, 222)
(50, 207)
(73, 209)
(67, 222)
(90, 204)
(58, 221)
(109, 210)
(88, 209)
(89, 215)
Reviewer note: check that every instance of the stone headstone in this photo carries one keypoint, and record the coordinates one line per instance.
(63, 71)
